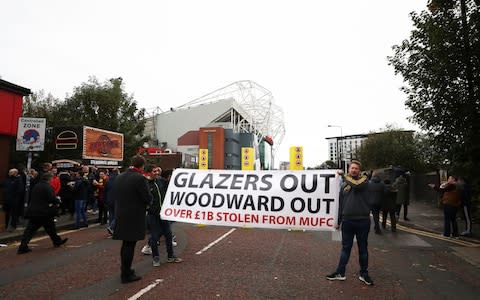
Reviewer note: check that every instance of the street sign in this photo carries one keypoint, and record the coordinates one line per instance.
(296, 158)
(248, 157)
(31, 134)
(203, 159)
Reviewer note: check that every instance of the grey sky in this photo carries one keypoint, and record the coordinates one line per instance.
(324, 61)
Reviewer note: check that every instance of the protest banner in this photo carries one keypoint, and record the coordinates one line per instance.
(263, 199)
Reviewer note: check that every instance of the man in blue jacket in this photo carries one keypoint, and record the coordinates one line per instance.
(354, 218)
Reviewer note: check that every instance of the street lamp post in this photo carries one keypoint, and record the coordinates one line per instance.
(339, 152)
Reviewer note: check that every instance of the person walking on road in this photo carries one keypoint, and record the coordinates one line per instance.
(451, 200)
(132, 197)
(354, 218)
(376, 190)
(41, 211)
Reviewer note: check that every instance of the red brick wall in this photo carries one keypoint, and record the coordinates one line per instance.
(217, 153)
(11, 105)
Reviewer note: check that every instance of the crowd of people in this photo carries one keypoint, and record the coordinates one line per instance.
(79, 191)
(130, 203)
(127, 209)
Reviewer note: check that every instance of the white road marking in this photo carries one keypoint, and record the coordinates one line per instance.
(216, 241)
(145, 290)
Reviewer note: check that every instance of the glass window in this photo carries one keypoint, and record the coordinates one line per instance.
(210, 149)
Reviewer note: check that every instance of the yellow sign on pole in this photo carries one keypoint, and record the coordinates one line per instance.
(296, 158)
(248, 157)
(203, 159)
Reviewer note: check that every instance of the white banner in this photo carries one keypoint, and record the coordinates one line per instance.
(265, 199)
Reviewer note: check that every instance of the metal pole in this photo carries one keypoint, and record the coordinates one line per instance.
(343, 151)
(27, 180)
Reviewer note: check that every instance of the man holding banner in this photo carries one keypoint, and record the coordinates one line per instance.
(354, 217)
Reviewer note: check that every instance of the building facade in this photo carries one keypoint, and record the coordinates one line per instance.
(341, 149)
(239, 115)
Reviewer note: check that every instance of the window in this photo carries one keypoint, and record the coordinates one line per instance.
(210, 149)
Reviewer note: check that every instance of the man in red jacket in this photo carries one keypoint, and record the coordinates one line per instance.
(55, 182)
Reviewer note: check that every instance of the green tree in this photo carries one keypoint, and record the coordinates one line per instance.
(390, 147)
(328, 164)
(107, 106)
(102, 105)
(440, 65)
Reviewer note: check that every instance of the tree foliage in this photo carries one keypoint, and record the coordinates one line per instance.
(328, 164)
(442, 90)
(390, 147)
(107, 106)
(102, 105)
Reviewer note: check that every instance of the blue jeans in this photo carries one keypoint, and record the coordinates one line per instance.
(159, 227)
(350, 229)
(111, 216)
(80, 212)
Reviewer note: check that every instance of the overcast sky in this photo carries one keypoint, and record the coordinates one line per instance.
(325, 62)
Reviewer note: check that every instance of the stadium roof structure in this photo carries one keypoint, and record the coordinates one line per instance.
(260, 113)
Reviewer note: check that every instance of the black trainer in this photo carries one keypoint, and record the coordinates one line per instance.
(23, 250)
(366, 279)
(61, 242)
(336, 276)
(131, 278)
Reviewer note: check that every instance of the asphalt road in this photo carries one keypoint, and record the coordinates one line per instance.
(235, 263)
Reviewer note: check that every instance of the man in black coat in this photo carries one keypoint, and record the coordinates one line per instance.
(132, 197)
(376, 190)
(41, 212)
(11, 198)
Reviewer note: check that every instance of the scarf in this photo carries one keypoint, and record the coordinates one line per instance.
(138, 170)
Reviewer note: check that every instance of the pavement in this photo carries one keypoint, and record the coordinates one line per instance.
(64, 222)
(424, 216)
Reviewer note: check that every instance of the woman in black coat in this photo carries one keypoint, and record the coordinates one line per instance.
(132, 197)
(41, 212)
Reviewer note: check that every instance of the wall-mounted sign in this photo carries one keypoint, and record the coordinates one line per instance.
(31, 134)
(248, 157)
(101, 144)
(66, 140)
(296, 158)
(203, 159)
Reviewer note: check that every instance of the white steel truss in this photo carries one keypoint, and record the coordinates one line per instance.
(260, 115)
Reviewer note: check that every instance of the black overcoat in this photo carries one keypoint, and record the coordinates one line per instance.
(43, 201)
(131, 196)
